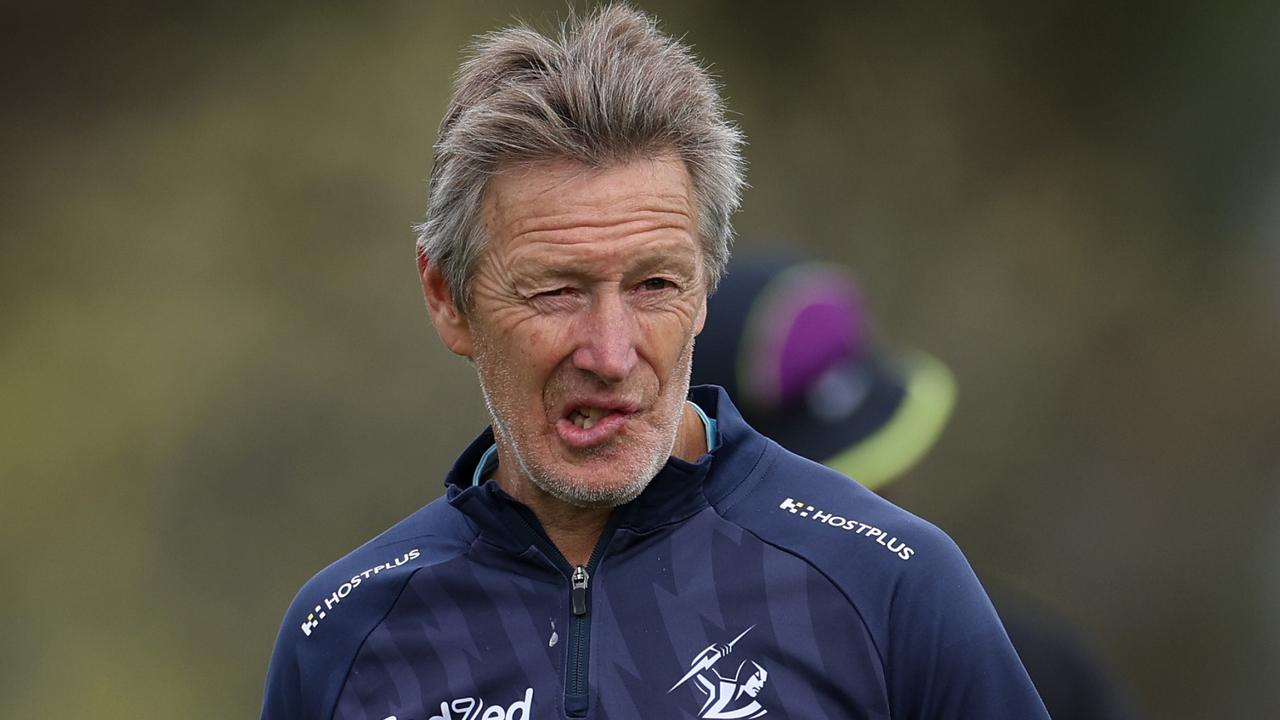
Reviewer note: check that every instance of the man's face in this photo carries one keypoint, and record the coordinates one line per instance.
(755, 683)
(584, 309)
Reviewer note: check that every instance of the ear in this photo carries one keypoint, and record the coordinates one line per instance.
(451, 325)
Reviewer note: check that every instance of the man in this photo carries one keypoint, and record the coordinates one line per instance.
(792, 342)
(612, 524)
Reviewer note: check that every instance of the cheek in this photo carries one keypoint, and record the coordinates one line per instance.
(544, 345)
(664, 340)
(524, 341)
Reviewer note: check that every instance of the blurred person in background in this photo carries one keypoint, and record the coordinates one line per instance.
(791, 341)
(615, 545)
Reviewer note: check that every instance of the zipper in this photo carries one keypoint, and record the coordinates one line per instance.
(578, 595)
(577, 663)
(576, 689)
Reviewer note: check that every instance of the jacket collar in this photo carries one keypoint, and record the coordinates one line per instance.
(679, 490)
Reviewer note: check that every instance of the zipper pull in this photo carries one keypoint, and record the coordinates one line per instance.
(579, 581)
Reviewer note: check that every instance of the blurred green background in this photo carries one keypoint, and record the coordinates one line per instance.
(216, 375)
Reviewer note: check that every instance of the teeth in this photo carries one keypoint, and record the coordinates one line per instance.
(587, 417)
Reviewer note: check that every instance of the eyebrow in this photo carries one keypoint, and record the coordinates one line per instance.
(542, 270)
(663, 260)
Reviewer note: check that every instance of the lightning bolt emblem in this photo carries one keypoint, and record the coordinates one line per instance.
(708, 658)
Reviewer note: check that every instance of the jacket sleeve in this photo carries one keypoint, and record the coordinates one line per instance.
(311, 659)
(281, 699)
(949, 657)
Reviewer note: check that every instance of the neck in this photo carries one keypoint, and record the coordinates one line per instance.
(574, 530)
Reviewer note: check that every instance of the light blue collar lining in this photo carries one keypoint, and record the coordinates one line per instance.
(713, 434)
(489, 460)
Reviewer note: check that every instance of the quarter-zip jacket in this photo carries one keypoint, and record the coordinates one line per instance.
(751, 583)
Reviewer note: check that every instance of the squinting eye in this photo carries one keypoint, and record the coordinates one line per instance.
(656, 283)
(558, 292)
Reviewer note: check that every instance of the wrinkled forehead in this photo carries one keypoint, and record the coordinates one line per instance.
(563, 185)
(575, 210)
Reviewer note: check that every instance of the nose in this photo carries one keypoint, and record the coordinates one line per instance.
(607, 339)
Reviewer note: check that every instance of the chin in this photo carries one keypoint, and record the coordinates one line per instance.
(592, 494)
(610, 475)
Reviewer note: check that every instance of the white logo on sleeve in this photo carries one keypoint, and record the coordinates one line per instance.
(322, 611)
(799, 508)
(727, 698)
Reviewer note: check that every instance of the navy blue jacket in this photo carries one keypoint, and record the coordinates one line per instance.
(752, 583)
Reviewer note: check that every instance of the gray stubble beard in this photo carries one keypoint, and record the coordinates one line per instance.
(581, 494)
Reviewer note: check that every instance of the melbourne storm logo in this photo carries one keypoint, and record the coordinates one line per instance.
(726, 697)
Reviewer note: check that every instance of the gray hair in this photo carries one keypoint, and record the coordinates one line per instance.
(611, 88)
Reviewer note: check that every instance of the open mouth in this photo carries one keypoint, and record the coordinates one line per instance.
(587, 417)
(589, 422)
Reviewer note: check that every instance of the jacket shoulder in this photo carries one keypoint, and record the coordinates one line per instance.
(833, 522)
(879, 556)
(336, 609)
(944, 650)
